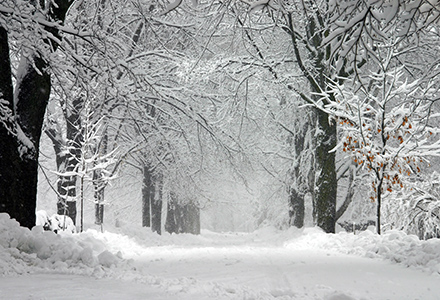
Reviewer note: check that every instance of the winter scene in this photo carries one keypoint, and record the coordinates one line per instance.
(220, 149)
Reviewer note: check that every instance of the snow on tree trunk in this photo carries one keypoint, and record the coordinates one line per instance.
(99, 182)
(98, 185)
(68, 155)
(303, 183)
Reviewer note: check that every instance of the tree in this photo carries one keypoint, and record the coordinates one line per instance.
(67, 146)
(387, 131)
(386, 111)
(22, 111)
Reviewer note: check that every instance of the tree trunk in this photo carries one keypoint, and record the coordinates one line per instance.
(348, 194)
(20, 132)
(98, 186)
(296, 208)
(192, 218)
(152, 200)
(301, 181)
(324, 200)
(68, 156)
(18, 158)
(99, 183)
(182, 217)
(20, 141)
(147, 191)
(156, 205)
(379, 203)
(324, 209)
(171, 222)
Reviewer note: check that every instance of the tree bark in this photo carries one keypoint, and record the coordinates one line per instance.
(17, 169)
(296, 208)
(301, 181)
(75, 138)
(182, 217)
(20, 134)
(171, 222)
(324, 209)
(156, 205)
(147, 191)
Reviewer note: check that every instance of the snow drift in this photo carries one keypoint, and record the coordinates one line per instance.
(23, 250)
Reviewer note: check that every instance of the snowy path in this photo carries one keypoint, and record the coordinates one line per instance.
(294, 274)
(229, 267)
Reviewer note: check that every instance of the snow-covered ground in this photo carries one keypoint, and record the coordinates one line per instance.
(133, 263)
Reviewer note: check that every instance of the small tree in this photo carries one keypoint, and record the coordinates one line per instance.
(93, 162)
(387, 128)
(67, 141)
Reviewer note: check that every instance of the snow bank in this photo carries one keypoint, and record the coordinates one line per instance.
(393, 245)
(23, 251)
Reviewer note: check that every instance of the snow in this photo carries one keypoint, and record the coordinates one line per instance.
(134, 263)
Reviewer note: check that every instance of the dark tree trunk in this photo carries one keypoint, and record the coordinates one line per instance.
(147, 192)
(348, 194)
(324, 200)
(192, 213)
(18, 161)
(296, 208)
(20, 133)
(182, 217)
(32, 94)
(324, 209)
(20, 140)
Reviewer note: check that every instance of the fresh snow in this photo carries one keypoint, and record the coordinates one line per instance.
(134, 263)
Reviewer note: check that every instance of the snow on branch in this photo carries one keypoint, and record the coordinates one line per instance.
(172, 6)
(26, 17)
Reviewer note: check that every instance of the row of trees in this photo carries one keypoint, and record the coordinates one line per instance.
(285, 88)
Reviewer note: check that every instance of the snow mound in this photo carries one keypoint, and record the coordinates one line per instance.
(23, 250)
(393, 245)
(338, 296)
